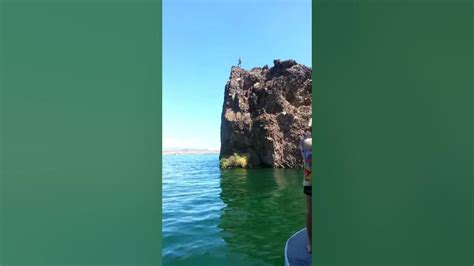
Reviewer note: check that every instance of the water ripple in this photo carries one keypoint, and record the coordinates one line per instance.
(231, 217)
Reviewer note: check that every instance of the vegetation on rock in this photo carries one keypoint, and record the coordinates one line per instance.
(234, 161)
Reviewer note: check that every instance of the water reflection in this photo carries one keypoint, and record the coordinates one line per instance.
(263, 208)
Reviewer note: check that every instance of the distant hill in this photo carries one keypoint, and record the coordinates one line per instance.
(189, 151)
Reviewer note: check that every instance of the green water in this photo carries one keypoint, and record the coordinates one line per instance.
(228, 217)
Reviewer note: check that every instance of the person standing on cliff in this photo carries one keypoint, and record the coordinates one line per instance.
(306, 146)
(240, 62)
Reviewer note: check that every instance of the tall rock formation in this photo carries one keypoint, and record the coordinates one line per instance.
(266, 112)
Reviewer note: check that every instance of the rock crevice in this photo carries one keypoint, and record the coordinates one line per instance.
(266, 112)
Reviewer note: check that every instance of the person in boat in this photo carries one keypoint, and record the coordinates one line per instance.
(307, 152)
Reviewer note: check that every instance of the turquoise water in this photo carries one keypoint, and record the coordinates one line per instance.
(228, 217)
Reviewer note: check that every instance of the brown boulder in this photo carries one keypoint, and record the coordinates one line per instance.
(266, 112)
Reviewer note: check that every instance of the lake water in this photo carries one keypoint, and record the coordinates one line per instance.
(228, 217)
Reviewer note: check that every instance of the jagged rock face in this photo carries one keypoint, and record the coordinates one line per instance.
(266, 113)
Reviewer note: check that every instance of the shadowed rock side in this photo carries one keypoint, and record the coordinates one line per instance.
(265, 114)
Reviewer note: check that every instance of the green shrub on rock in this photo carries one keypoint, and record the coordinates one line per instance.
(234, 161)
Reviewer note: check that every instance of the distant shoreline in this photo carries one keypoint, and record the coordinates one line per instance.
(190, 152)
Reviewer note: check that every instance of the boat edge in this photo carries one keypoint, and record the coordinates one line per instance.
(287, 263)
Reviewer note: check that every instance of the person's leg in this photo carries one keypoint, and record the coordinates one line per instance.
(309, 220)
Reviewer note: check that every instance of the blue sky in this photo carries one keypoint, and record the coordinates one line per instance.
(202, 39)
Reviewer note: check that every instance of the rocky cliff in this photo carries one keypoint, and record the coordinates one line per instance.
(265, 114)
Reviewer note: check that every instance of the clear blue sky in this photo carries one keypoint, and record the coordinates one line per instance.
(202, 39)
